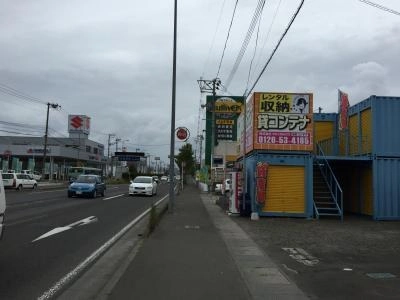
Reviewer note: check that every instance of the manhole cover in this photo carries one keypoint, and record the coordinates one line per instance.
(381, 275)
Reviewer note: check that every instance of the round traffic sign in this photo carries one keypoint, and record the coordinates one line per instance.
(182, 133)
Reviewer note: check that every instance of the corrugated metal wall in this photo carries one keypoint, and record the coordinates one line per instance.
(355, 179)
(354, 132)
(386, 126)
(366, 132)
(324, 130)
(289, 186)
(386, 178)
(285, 190)
(366, 189)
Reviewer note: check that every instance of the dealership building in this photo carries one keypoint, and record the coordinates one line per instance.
(21, 152)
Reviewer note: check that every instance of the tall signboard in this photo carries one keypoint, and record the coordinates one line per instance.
(279, 121)
(78, 124)
(225, 115)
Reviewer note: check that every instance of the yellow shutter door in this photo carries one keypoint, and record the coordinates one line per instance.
(285, 190)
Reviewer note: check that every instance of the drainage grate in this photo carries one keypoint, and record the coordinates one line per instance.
(381, 275)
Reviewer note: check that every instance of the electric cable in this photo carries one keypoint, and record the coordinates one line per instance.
(254, 55)
(266, 38)
(276, 48)
(16, 93)
(213, 40)
(246, 41)
(381, 7)
(227, 38)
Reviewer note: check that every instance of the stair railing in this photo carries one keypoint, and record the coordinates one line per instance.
(330, 179)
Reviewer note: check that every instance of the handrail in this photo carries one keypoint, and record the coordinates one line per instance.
(333, 183)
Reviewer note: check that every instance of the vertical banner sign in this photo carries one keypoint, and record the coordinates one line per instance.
(343, 110)
(261, 182)
(283, 121)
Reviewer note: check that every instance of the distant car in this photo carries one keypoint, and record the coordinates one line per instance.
(143, 185)
(156, 179)
(87, 186)
(224, 187)
(164, 178)
(18, 181)
(35, 175)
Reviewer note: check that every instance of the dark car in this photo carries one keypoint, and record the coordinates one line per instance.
(87, 186)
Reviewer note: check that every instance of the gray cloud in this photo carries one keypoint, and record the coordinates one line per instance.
(113, 60)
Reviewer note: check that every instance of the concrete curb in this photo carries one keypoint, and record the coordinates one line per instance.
(261, 275)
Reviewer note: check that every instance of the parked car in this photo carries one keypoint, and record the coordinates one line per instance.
(224, 187)
(143, 185)
(87, 186)
(34, 174)
(18, 181)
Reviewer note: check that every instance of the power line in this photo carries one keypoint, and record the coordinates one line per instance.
(16, 93)
(213, 40)
(266, 38)
(254, 55)
(227, 37)
(381, 7)
(276, 47)
(256, 15)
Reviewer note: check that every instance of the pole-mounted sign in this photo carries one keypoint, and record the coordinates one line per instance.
(182, 133)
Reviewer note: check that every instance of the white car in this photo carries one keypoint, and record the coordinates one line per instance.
(35, 175)
(143, 185)
(18, 181)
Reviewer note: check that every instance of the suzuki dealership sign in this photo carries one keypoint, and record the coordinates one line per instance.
(79, 124)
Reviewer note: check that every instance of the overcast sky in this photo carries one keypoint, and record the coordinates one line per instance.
(112, 60)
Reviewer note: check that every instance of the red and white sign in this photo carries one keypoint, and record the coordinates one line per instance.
(79, 124)
(182, 133)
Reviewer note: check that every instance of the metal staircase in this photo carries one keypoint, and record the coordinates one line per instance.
(328, 195)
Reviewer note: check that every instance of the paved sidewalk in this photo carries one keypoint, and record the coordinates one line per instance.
(198, 252)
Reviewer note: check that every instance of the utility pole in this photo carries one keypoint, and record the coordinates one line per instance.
(173, 104)
(55, 106)
(201, 147)
(211, 86)
(110, 135)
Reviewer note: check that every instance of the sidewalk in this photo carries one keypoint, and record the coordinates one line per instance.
(198, 252)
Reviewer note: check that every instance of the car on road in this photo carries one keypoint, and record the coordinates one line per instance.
(164, 178)
(156, 179)
(34, 174)
(18, 181)
(87, 186)
(143, 185)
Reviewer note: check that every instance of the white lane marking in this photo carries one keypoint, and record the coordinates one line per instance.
(108, 198)
(56, 230)
(48, 191)
(75, 272)
(302, 256)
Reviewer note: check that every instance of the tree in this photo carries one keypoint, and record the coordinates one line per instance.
(186, 157)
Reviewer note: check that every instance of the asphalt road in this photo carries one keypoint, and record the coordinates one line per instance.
(31, 262)
(328, 259)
